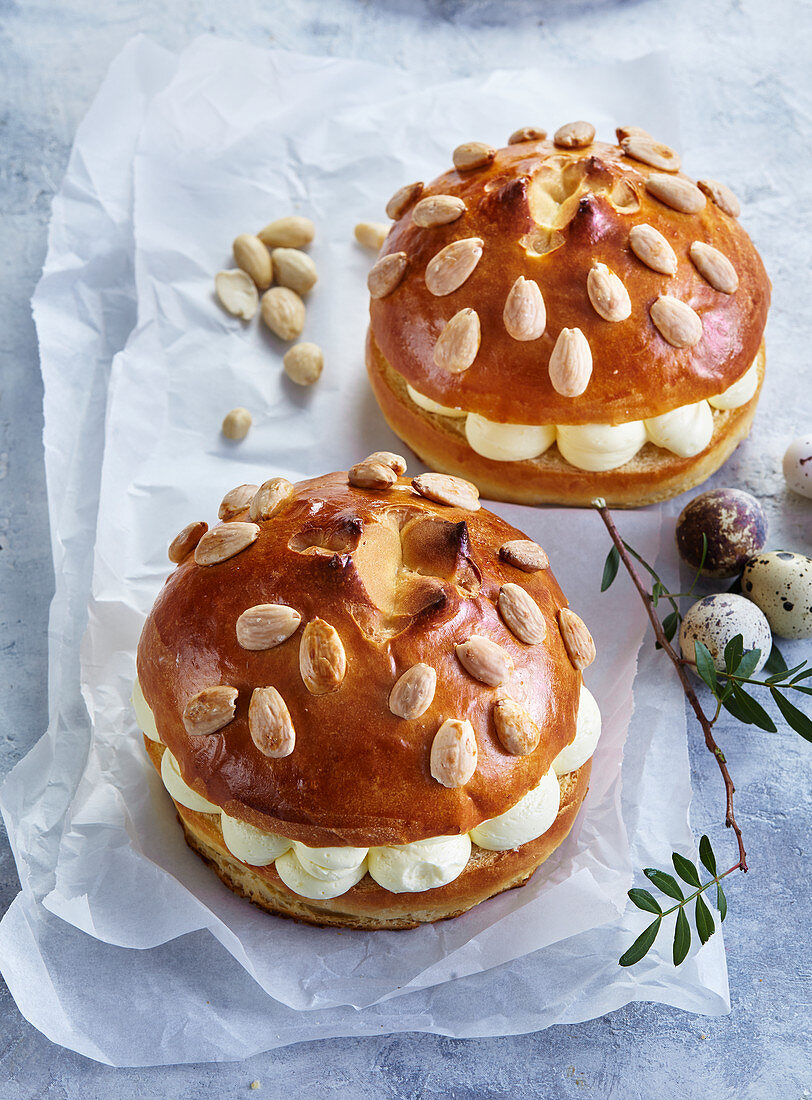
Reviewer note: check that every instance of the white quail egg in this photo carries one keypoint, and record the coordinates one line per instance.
(780, 583)
(798, 465)
(714, 620)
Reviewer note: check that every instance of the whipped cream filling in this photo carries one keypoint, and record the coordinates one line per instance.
(143, 714)
(597, 447)
(324, 873)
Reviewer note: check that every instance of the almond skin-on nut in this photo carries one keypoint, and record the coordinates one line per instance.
(236, 423)
(270, 724)
(387, 274)
(680, 194)
(454, 753)
(291, 232)
(472, 154)
(714, 267)
(322, 661)
(458, 343)
(525, 314)
(389, 458)
(283, 311)
(721, 194)
(577, 639)
(235, 501)
(574, 135)
(237, 293)
(403, 199)
(210, 710)
(303, 363)
(186, 540)
(449, 269)
(371, 475)
(252, 256)
(413, 692)
(608, 295)
(371, 235)
(676, 322)
(570, 363)
(294, 268)
(524, 554)
(269, 498)
(266, 625)
(521, 614)
(526, 133)
(518, 733)
(437, 210)
(484, 659)
(456, 492)
(651, 248)
(624, 132)
(224, 541)
(648, 151)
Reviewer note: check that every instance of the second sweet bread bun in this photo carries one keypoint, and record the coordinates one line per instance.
(573, 299)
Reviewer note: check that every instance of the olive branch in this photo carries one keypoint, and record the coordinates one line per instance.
(728, 690)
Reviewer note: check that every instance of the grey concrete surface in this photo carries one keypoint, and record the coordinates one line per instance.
(741, 71)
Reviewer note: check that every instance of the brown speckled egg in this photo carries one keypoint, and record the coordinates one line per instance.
(715, 620)
(780, 583)
(734, 524)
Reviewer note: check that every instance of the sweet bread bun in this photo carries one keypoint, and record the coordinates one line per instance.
(349, 682)
(569, 284)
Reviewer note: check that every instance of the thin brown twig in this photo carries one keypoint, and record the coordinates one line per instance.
(679, 665)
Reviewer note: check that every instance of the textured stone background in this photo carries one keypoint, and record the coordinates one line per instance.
(741, 69)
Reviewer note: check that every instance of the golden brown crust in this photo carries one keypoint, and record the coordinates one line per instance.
(368, 905)
(651, 476)
(357, 774)
(585, 202)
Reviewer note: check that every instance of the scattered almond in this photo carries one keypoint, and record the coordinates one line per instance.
(524, 554)
(676, 322)
(294, 268)
(652, 249)
(413, 692)
(526, 133)
(270, 724)
(371, 235)
(291, 232)
(676, 192)
(484, 659)
(446, 489)
(437, 210)
(186, 540)
(236, 423)
(516, 730)
(389, 458)
(387, 274)
(648, 151)
(608, 295)
(454, 753)
(525, 314)
(577, 639)
(458, 343)
(224, 542)
(283, 311)
(452, 265)
(322, 661)
(237, 293)
(715, 267)
(371, 475)
(252, 256)
(521, 614)
(266, 625)
(721, 194)
(210, 710)
(472, 154)
(303, 363)
(574, 135)
(269, 497)
(403, 199)
(570, 363)
(236, 501)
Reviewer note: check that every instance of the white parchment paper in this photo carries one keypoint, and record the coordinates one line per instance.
(177, 156)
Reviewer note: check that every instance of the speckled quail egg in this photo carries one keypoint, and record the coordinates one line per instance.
(780, 583)
(798, 465)
(716, 619)
(733, 523)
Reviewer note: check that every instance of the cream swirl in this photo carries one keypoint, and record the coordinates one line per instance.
(587, 733)
(421, 865)
(250, 844)
(180, 789)
(316, 887)
(143, 714)
(529, 819)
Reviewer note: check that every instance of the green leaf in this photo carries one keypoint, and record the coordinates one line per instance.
(670, 624)
(792, 716)
(705, 666)
(757, 714)
(778, 676)
(747, 665)
(682, 938)
(704, 920)
(733, 652)
(685, 869)
(644, 900)
(803, 676)
(775, 662)
(806, 691)
(657, 590)
(707, 856)
(610, 567)
(642, 945)
(721, 901)
(732, 706)
(665, 882)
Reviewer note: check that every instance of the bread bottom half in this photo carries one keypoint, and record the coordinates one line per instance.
(367, 905)
(652, 475)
